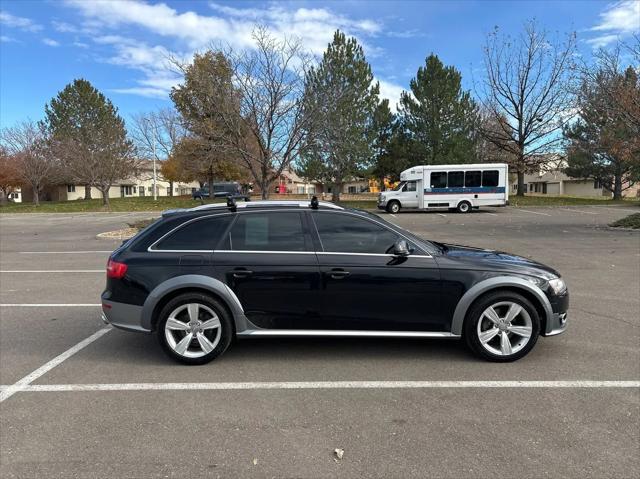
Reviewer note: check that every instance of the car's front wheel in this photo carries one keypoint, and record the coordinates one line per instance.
(502, 326)
(194, 328)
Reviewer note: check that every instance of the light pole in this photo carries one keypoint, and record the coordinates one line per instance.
(155, 188)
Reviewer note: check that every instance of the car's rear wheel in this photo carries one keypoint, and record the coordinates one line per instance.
(502, 327)
(194, 328)
(464, 207)
(393, 206)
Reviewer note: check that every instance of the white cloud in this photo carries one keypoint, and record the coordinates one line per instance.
(22, 23)
(617, 20)
(7, 39)
(51, 42)
(391, 91)
(314, 27)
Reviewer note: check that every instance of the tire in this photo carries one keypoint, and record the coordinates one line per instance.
(464, 207)
(393, 207)
(178, 312)
(495, 335)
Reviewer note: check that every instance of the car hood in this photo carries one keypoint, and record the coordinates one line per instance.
(492, 259)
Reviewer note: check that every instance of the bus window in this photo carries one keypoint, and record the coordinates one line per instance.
(472, 179)
(438, 179)
(490, 178)
(456, 179)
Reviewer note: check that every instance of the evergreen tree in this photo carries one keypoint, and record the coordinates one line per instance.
(89, 138)
(389, 145)
(438, 116)
(341, 98)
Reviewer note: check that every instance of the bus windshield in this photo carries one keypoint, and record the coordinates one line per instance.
(399, 186)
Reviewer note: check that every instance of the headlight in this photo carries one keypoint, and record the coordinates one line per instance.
(382, 198)
(557, 285)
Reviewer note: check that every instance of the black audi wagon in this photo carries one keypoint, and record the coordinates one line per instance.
(199, 277)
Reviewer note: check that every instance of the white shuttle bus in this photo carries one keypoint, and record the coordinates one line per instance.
(460, 187)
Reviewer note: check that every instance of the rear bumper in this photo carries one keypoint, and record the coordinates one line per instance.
(123, 316)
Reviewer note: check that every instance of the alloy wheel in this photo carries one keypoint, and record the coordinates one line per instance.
(193, 330)
(504, 328)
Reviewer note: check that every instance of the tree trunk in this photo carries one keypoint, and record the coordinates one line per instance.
(210, 183)
(4, 198)
(335, 194)
(105, 195)
(617, 187)
(87, 192)
(36, 197)
(520, 191)
(171, 189)
(264, 189)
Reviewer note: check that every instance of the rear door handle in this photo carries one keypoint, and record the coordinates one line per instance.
(339, 273)
(241, 273)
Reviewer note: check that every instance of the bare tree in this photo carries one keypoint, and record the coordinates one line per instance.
(528, 81)
(157, 134)
(35, 165)
(252, 110)
(9, 175)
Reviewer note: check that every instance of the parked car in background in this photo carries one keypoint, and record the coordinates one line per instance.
(221, 190)
(202, 276)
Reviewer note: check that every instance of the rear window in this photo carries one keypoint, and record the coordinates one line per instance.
(201, 234)
(490, 178)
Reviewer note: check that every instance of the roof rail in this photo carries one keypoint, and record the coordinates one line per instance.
(254, 204)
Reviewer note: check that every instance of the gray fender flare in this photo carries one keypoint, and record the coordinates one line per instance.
(491, 284)
(194, 281)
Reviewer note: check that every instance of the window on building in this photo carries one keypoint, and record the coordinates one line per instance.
(438, 179)
(127, 190)
(490, 178)
(134, 190)
(71, 188)
(350, 234)
(472, 179)
(202, 234)
(353, 190)
(597, 184)
(456, 179)
(272, 231)
(150, 189)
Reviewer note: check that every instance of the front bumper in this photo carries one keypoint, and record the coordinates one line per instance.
(123, 316)
(557, 323)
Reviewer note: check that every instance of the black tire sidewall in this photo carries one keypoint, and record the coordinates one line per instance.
(226, 335)
(390, 207)
(462, 205)
(475, 312)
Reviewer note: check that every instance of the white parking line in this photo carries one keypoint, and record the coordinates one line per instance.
(46, 305)
(324, 385)
(534, 212)
(578, 211)
(440, 214)
(44, 369)
(64, 252)
(52, 271)
(392, 215)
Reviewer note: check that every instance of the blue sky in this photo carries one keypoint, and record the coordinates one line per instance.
(121, 46)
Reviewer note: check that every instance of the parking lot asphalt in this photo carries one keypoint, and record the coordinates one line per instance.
(81, 415)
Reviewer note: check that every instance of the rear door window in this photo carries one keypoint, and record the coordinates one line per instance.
(199, 235)
(270, 231)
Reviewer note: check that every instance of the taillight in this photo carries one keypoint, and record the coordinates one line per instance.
(116, 270)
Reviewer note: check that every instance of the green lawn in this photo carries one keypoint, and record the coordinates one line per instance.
(165, 203)
(631, 221)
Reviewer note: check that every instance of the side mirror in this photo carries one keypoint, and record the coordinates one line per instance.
(400, 248)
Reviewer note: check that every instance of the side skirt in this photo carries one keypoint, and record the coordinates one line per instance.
(255, 333)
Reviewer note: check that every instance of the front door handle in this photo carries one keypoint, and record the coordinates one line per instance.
(339, 273)
(241, 273)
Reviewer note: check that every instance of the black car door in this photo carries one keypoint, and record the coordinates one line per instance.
(366, 288)
(267, 259)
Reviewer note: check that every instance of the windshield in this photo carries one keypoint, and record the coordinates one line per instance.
(400, 185)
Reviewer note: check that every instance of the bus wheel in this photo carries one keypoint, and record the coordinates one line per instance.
(393, 207)
(464, 207)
